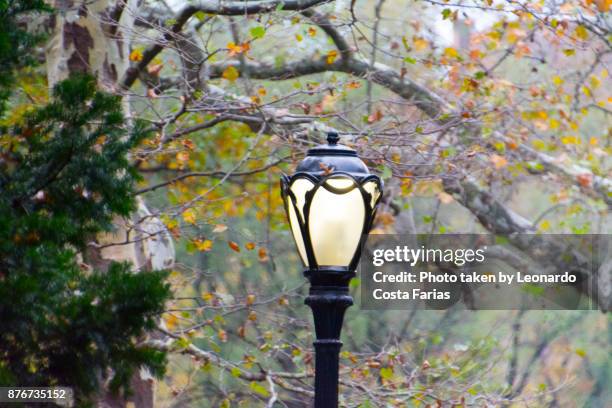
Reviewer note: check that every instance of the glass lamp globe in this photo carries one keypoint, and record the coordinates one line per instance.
(330, 203)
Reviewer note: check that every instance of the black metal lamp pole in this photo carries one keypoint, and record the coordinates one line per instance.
(330, 203)
(328, 298)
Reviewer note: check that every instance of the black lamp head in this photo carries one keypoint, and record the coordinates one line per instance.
(331, 203)
(332, 156)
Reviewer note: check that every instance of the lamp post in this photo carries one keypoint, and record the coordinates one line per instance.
(330, 202)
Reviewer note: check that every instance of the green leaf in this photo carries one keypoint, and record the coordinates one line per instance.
(257, 32)
(259, 389)
(410, 60)
(446, 13)
(386, 373)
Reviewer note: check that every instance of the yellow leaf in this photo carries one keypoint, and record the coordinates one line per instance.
(331, 56)
(582, 33)
(570, 140)
(593, 141)
(231, 74)
(203, 245)
(554, 123)
(299, 37)
(189, 216)
(557, 80)
(249, 246)
(182, 156)
(451, 52)
(545, 225)
(170, 321)
(420, 43)
(136, 56)
(312, 31)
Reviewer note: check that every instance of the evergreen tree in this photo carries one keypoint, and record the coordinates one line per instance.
(64, 175)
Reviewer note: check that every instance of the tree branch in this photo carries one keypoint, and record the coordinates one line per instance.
(217, 7)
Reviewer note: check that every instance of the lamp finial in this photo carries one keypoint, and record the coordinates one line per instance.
(332, 138)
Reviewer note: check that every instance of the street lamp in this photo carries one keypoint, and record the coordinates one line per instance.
(330, 202)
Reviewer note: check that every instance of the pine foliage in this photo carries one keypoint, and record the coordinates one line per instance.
(64, 176)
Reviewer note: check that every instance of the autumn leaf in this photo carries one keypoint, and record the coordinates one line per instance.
(203, 245)
(582, 33)
(498, 161)
(249, 246)
(155, 69)
(170, 321)
(252, 316)
(331, 56)
(250, 299)
(312, 31)
(182, 156)
(420, 43)
(237, 49)
(136, 56)
(262, 254)
(450, 52)
(222, 335)
(234, 246)
(189, 216)
(231, 74)
(375, 116)
(219, 228)
(353, 85)
(585, 180)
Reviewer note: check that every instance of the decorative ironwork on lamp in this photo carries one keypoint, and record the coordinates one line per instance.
(331, 203)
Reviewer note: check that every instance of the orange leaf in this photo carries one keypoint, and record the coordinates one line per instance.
(250, 246)
(234, 246)
(262, 254)
(331, 56)
(585, 180)
(375, 116)
(136, 56)
(498, 161)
